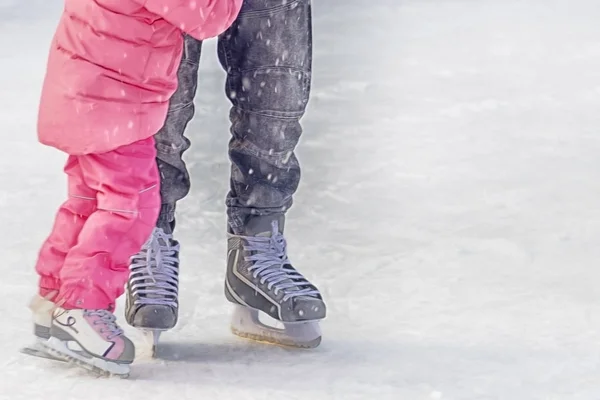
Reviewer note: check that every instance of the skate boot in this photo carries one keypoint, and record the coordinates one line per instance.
(91, 339)
(274, 302)
(152, 290)
(41, 308)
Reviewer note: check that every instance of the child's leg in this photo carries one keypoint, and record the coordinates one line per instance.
(69, 221)
(128, 201)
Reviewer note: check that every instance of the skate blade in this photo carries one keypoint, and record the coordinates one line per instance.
(98, 366)
(152, 336)
(38, 350)
(301, 335)
(265, 339)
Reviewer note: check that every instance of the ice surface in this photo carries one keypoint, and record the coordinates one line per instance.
(449, 211)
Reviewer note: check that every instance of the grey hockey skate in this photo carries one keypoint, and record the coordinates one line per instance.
(262, 283)
(152, 290)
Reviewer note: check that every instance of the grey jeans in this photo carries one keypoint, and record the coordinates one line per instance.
(267, 54)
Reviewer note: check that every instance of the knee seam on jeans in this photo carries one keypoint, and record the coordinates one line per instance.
(291, 115)
(180, 107)
(164, 151)
(271, 68)
(186, 60)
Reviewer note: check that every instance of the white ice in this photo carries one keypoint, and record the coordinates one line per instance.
(449, 211)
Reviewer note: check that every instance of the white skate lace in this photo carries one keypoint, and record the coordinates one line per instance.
(107, 319)
(154, 276)
(272, 266)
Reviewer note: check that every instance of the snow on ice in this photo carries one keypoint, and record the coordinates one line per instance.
(449, 211)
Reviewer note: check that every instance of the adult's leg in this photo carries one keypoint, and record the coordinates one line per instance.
(152, 290)
(267, 54)
(171, 142)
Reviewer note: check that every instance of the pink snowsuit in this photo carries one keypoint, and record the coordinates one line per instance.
(111, 71)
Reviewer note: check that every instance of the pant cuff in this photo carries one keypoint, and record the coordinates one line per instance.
(166, 215)
(47, 285)
(77, 297)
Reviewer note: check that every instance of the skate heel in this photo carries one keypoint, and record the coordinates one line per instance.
(246, 323)
(41, 308)
(229, 295)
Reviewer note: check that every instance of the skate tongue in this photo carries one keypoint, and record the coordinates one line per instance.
(163, 242)
(264, 234)
(158, 239)
(262, 225)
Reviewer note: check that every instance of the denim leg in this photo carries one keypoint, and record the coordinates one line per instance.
(267, 54)
(171, 142)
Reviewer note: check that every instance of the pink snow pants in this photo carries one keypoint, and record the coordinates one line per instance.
(113, 203)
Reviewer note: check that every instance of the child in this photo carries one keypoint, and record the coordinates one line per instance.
(111, 71)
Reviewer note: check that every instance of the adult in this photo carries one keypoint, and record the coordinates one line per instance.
(267, 54)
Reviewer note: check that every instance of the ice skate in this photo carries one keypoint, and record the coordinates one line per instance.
(41, 309)
(90, 339)
(274, 302)
(152, 291)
